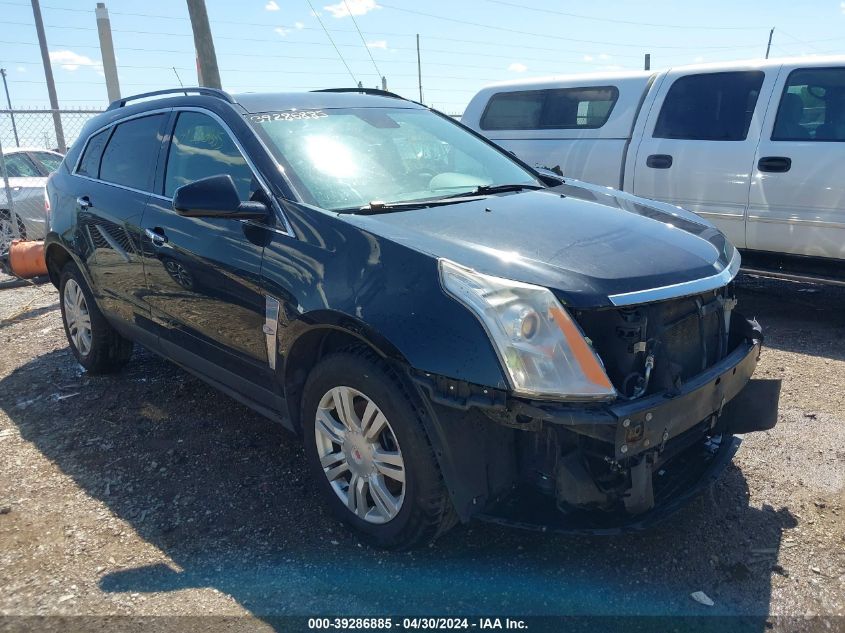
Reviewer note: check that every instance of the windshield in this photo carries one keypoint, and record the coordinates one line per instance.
(50, 161)
(344, 159)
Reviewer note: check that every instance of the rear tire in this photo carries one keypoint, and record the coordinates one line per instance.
(95, 343)
(399, 499)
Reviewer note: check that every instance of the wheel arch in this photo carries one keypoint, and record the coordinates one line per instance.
(307, 342)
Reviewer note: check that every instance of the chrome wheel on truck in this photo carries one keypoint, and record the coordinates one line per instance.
(360, 455)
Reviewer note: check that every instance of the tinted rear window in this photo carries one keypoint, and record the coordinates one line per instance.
(90, 163)
(710, 107)
(561, 108)
(132, 151)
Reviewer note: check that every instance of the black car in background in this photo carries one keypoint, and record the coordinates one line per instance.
(452, 333)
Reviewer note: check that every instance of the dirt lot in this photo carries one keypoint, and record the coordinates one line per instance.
(150, 493)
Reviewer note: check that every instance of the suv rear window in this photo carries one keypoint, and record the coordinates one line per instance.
(131, 153)
(560, 108)
(710, 107)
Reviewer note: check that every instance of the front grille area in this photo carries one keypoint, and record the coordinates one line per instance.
(679, 337)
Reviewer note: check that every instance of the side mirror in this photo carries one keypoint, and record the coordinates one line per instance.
(551, 176)
(215, 197)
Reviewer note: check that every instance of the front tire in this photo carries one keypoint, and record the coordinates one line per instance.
(367, 449)
(94, 342)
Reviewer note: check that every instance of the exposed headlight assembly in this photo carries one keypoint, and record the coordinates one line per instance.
(543, 351)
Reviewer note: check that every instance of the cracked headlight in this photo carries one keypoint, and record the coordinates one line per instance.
(543, 351)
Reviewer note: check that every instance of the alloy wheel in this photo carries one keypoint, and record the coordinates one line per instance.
(360, 455)
(77, 317)
(7, 234)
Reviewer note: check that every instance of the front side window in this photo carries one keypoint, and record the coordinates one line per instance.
(710, 107)
(201, 148)
(812, 106)
(347, 158)
(561, 108)
(20, 166)
(131, 154)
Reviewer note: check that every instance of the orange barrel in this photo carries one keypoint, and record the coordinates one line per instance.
(26, 258)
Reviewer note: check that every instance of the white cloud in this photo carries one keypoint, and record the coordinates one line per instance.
(516, 67)
(281, 31)
(73, 61)
(21, 69)
(299, 26)
(604, 56)
(377, 44)
(588, 58)
(698, 59)
(271, 6)
(354, 7)
(842, 6)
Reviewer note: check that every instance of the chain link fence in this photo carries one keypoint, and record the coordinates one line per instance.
(31, 142)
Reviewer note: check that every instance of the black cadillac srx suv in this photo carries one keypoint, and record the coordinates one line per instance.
(453, 333)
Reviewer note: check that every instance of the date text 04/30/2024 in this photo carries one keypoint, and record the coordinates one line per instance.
(423, 623)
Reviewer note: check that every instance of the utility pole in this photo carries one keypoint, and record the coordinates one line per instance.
(107, 52)
(647, 65)
(769, 45)
(419, 67)
(9, 101)
(209, 74)
(48, 74)
(384, 83)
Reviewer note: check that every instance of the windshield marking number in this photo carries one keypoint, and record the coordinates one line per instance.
(288, 116)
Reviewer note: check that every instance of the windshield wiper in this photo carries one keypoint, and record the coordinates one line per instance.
(483, 190)
(377, 206)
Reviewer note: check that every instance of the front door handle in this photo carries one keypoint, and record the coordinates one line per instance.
(774, 164)
(83, 202)
(659, 161)
(156, 235)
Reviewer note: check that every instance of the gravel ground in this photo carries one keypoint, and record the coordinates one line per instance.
(150, 493)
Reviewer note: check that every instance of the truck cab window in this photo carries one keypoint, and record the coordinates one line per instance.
(812, 106)
(710, 107)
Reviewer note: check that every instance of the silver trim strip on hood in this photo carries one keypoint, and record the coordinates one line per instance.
(684, 289)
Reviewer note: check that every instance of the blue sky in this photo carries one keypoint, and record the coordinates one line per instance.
(280, 44)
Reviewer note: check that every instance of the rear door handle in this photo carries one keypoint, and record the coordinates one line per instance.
(774, 164)
(659, 161)
(156, 235)
(83, 202)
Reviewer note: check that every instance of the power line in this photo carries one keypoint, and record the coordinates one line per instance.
(553, 37)
(631, 22)
(328, 35)
(363, 41)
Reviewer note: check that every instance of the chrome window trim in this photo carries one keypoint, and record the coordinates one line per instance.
(288, 231)
(685, 289)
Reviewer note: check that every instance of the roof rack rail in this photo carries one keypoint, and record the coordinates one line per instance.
(365, 91)
(210, 92)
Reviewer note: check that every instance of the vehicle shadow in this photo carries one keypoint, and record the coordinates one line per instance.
(223, 493)
(796, 317)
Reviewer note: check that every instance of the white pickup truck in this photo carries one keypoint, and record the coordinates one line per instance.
(758, 148)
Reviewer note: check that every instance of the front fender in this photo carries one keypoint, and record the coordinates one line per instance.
(342, 276)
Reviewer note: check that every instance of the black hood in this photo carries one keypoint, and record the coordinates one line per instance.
(586, 243)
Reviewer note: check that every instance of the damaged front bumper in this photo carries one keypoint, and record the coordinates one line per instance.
(622, 466)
